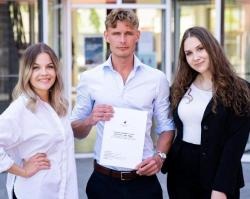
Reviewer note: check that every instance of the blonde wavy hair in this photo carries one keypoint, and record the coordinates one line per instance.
(121, 14)
(56, 98)
(228, 88)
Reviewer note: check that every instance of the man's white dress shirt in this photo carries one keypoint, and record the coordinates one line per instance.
(145, 89)
(24, 134)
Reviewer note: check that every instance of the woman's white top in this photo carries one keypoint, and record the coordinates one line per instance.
(22, 135)
(191, 110)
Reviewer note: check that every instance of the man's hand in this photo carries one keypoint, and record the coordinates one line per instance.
(218, 195)
(36, 163)
(149, 166)
(100, 112)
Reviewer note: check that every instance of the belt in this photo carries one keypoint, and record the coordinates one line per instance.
(121, 175)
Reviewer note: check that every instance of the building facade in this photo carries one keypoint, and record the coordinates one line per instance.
(74, 29)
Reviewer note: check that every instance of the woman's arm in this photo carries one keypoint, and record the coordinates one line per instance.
(218, 195)
(229, 166)
(31, 167)
(10, 136)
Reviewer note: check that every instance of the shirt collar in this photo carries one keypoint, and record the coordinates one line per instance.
(137, 63)
(26, 98)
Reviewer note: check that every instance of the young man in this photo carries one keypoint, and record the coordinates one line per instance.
(123, 81)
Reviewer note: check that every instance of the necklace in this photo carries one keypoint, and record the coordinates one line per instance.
(207, 89)
(203, 84)
(203, 89)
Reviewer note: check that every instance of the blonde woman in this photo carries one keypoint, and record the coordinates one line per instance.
(36, 140)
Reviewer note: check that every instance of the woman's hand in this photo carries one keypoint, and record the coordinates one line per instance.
(36, 163)
(218, 195)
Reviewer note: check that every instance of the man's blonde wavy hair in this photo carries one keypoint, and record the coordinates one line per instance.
(121, 14)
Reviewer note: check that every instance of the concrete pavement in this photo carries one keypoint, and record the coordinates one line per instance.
(84, 169)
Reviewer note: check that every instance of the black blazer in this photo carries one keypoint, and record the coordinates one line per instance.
(223, 139)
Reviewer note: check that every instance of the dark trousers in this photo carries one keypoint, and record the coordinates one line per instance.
(14, 195)
(183, 181)
(101, 186)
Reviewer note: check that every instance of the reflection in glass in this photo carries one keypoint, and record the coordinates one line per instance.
(19, 28)
(190, 13)
(90, 49)
(237, 39)
(196, 14)
(87, 24)
(144, 1)
(150, 45)
(55, 27)
(93, 1)
(237, 36)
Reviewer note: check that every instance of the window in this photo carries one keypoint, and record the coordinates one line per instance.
(19, 28)
(87, 31)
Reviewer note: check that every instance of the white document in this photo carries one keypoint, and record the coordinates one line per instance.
(123, 138)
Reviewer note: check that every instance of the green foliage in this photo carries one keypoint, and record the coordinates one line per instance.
(95, 20)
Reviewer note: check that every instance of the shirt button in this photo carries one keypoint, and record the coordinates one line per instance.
(204, 154)
(205, 127)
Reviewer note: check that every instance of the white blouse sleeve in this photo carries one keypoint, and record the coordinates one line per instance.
(9, 136)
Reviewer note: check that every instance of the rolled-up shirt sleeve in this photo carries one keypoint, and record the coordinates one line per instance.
(162, 111)
(9, 136)
(84, 104)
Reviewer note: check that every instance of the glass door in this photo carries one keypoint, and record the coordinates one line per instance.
(89, 48)
(237, 39)
(190, 13)
(18, 29)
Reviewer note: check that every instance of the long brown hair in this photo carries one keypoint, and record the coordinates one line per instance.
(228, 88)
(56, 98)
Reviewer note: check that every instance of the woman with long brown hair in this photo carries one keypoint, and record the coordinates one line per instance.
(211, 108)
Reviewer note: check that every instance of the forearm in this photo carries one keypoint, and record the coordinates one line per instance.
(17, 170)
(152, 165)
(101, 112)
(218, 195)
(81, 128)
(164, 141)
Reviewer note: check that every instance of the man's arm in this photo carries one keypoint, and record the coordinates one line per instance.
(81, 128)
(152, 165)
(164, 141)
